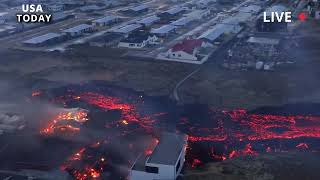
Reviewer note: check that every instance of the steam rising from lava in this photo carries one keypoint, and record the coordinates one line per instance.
(224, 135)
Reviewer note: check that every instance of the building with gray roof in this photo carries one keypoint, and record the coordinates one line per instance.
(166, 160)
(218, 30)
(48, 38)
(182, 21)
(264, 41)
(138, 9)
(164, 30)
(128, 28)
(175, 10)
(171, 13)
(105, 21)
(149, 20)
(79, 30)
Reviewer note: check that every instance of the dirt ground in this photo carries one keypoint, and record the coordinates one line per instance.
(212, 85)
(283, 166)
(83, 64)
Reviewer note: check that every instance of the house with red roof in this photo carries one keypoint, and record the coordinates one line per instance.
(188, 49)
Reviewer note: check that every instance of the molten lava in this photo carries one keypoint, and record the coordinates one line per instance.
(60, 123)
(224, 135)
(84, 164)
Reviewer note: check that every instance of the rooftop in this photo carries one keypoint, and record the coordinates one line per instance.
(149, 20)
(216, 31)
(187, 45)
(264, 40)
(197, 12)
(163, 29)
(181, 22)
(105, 19)
(43, 38)
(108, 37)
(78, 28)
(128, 28)
(136, 38)
(174, 11)
(168, 150)
(139, 8)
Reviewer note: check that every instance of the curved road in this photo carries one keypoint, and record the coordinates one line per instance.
(176, 88)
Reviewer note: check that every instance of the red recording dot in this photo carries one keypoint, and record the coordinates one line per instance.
(302, 16)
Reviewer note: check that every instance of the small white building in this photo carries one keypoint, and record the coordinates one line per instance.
(79, 30)
(137, 41)
(188, 49)
(165, 162)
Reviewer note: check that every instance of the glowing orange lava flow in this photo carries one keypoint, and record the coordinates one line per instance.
(238, 132)
(93, 167)
(129, 111)
(60, 122)
(253, 127)
(257, 132)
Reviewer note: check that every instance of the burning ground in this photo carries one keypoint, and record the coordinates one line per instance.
(105, 128)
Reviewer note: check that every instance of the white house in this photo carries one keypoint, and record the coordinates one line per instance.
(165, 162)
(188, 49)
(138, 41)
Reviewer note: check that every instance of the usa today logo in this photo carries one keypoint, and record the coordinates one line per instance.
(33, 13)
